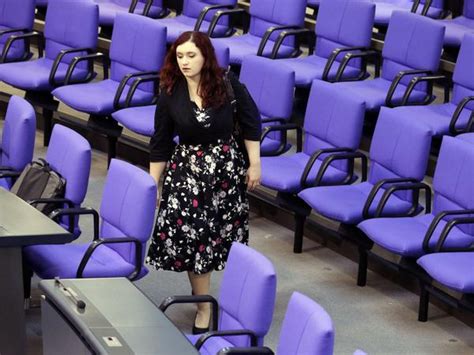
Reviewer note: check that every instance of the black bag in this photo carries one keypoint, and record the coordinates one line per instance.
(38, 180)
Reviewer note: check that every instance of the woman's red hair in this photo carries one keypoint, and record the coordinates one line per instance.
(211, 87)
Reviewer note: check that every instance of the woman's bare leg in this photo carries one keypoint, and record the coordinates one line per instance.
(201, 285)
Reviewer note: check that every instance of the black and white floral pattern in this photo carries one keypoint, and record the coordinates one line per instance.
(203, 208)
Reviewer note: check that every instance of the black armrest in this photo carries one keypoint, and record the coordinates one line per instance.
(147, 8)
(58, 200)
(446, 230)
(9, 173)
(97, 242)
(334, 55)
(26, 36)
(415, 188)
(430, 79)
(232, 13)
(5, 50)
(123, 83)
(266, 37)
(414, 7)
(90, 59)
(204, 13)
(220, 333)
(457, 113)
(284, 128)
(168, 301)
(58, 59)
(396, 81)
(133, 6)
(377, 187)
(78, 211)
(137, 83)
(312, 160)
(258, 350)
(364, 55)
(290, 31)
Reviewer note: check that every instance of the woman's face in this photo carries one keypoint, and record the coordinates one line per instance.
(190, 59)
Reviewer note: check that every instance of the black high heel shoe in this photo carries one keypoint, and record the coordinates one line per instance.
(198, 330)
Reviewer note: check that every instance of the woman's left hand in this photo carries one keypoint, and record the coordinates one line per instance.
(254, 173)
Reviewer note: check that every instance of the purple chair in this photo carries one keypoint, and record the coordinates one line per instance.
(457, 27)
(62, 41)
(399, 154)
(457, 115)
(336, 34)
(409, 238)
(18, 140)
(265, 26)
(117, 250)
(333, 125)
(141, 119)
(306, 329)
(412, 48)
(272, 88)
(16, 17)
(109, 9)
(197, 15)
(137, 52)
(385, 8)
(243, 315)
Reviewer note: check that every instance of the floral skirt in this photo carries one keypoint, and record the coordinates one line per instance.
(203, 208)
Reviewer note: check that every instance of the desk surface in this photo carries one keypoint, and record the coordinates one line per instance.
(116, 308)
(22, 224)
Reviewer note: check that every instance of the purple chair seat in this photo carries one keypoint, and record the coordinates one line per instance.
(408, 240)
(269, 145)
(384, 10)
(105, 262)
(245, 45)
(138, 119)
(210, 348)
(109, 10)
(290, 169)
(456, 29)
(453, 269)
(467, 137)
(345, 203)
(177, 25)
(312, 67)
(98, 97)
(34, 75)
(375, 91)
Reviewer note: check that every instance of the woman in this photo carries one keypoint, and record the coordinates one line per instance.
(203, 207)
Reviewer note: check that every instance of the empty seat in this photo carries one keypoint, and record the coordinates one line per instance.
(385, 9)
(457, 27)
(109, 9)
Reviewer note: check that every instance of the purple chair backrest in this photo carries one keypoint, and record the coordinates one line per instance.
(222, 54)
(336, 25)
(193, 8)
(268, 13)
(306, 329)
(463, 76)
(468, 10)
(412, 42)
(400, 148)
(247, 293)
(332, 119)
(79, 31)
(17, 14)
(138, 44)
(18, 136)
(128, 207)
(454, 176)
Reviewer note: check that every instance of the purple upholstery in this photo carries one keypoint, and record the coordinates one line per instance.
(385, 8)
(127, 210)
(271, 87)
(79, 31)
(18, 137)
(468, 137)
(69, 154)
(187, 20)
(399, 149)
(332, 120)
(41, 3)
(438, 117)
(138, 45)
(412, 43)
(246, 299)
(109, 9)
(141, 120)
(306, 329)
(453, 190)
(452, 269)
(335, 28)
(282, 13)
(457, 27)
(16, 14)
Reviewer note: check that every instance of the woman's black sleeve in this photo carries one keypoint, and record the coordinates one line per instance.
(161, 143)
(247, 111)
